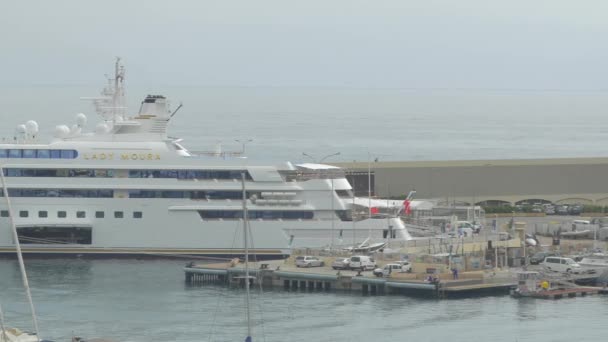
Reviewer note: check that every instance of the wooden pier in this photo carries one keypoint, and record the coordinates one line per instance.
(278, 274)
(566, 293)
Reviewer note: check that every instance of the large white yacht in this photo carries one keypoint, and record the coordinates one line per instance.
(127, 188)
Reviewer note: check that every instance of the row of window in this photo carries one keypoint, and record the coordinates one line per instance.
(344, 193)
(189, 174)
(32, 153)
(79, 214)
(256, 214)
(208, 194)
(103, 193)
(89, 193)
(21, 172)
(174, 174)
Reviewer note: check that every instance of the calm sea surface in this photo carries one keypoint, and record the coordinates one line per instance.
(389, 124)
(148, 301)
(132, 300)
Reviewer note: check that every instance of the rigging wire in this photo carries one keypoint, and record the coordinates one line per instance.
(259, 279)
(19, 255)
(223, 289)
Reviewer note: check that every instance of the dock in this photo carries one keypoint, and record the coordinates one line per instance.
(280, 274)
(565, 293)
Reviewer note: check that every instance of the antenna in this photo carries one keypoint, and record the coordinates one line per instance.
(175, 111)
(111, 102)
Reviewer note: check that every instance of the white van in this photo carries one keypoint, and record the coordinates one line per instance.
(361, 262)
(388, 269)
(559, 264)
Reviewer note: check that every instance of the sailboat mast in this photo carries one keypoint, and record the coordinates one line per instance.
(19, 255)
(245, 239)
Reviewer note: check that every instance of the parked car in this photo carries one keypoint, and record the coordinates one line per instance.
(468, 227)
(308, 261)
(576, 209)
(564, 265)
(550, 210)
(401, 267)
(539, 257)
(361, 262)
(340, 264)
(537, 209)
(561, 210)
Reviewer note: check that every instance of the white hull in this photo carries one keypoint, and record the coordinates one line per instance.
(594, 262)
(163, 231)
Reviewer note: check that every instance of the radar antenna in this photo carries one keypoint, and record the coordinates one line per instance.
(111, 105)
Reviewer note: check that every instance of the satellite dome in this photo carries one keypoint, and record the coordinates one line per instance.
(101, 128)
(62, 131)
(21, 129)
(81, 119)
(75, 130)
(31, 127)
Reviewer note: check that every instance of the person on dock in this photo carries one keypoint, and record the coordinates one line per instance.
(544, 285)
(455, 273)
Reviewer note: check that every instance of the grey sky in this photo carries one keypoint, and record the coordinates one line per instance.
(515, 44)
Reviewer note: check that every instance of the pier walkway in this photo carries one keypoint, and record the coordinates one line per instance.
(283, 275)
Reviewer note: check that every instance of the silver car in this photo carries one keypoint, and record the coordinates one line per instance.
(308, 261)
(340, 264)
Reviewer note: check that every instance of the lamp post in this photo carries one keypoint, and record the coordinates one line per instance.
(309, 156)
(243, 142)
(328, 156)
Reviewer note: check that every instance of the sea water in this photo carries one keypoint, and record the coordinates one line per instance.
(361, 124)
(148, 300)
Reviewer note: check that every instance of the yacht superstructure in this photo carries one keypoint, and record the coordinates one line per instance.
(128, 188)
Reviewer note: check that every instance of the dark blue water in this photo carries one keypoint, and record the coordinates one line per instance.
(132, 300)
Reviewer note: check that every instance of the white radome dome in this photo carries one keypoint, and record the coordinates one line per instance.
(101, 128)
(31, 127)
(21, 129)
(62, 131)
(81, 120)
(75, 130)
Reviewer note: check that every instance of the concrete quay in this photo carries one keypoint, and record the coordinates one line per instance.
(283, 274)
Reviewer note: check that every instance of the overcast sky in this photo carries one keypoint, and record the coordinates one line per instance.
(514, 44)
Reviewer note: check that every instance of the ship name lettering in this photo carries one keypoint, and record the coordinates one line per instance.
(136, 156)
(98, 156)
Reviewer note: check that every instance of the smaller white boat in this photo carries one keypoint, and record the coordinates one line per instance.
(16, 335)
(595, 260)
(370, 248)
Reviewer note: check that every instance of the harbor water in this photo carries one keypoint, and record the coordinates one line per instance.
(148, 300)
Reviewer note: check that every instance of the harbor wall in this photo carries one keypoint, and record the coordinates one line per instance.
(567, 180)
